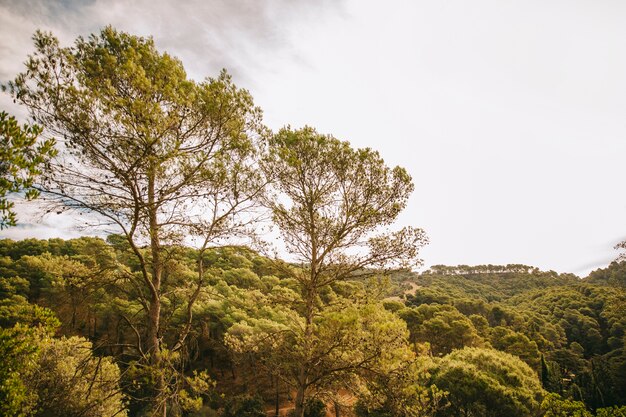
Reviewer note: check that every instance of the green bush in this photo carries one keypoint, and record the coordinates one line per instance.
(244, 406)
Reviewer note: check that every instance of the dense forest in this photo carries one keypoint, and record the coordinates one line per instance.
(479, 341)
(245, 272)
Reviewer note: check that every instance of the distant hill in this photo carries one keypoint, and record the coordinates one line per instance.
(613, 275)
(484, 282)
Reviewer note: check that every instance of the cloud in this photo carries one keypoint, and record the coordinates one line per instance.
(34, 222)
(585, 269)
(206, 35)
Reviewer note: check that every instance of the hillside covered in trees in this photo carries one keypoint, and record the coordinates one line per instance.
(462, 341)
(189, 307)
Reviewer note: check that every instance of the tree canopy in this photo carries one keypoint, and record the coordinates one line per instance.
(21, 158)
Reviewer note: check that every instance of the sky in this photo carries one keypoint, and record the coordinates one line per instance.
(508, 114)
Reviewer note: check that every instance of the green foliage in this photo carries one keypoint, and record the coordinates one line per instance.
(591, 366)
(250, 316)
(70, 381)
(611, 412)
(614, 275)
(578, 327)
(551, 375)
(443, 328)
(361, 410)
(554, 406)
(483, 382)
(244, 406)
(583, 312)
(515, 343)
(497, 282)
(400, 388)
(16, 310)
(44, 376)
(315, 408)
(345, 340)
(22, 156)
(18, 350)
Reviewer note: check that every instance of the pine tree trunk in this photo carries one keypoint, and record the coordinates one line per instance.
(299, 411)
(276, 384)
(154, 313)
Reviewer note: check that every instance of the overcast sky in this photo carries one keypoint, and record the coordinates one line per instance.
(509, 115)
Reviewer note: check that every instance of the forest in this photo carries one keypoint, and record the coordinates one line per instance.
(228, 270)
